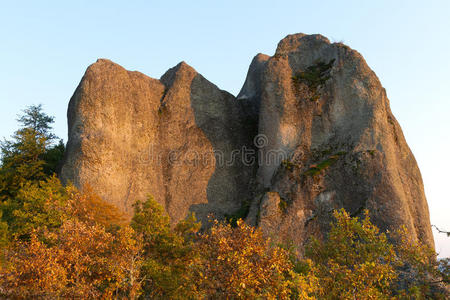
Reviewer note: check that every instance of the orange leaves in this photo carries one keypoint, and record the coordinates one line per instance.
(81, 261)
(89, 207)
(33, 271)
(239, 263)
(65, 246)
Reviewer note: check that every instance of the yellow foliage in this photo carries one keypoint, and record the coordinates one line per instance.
(238, 263)
(355, 261)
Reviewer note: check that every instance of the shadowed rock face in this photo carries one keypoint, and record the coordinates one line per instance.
(323, 130)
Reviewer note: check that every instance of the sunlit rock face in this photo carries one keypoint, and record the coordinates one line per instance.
(325, 110)
(311, 131)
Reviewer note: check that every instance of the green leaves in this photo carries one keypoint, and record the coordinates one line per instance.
(35, 119)
(313, 77)
(168, 254)
(30, 155)
(355, 260)
(36, 206)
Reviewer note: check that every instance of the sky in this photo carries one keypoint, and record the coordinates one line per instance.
(45, 47)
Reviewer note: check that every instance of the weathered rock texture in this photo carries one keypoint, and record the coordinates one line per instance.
(131, 136)
(323, 130)
(325, 110)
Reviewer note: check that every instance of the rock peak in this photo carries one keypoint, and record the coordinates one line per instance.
(292, 42)
(183, 66)
(105, 63)
(181, 70)
(104, 60)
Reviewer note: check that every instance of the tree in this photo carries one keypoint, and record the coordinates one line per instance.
(356, 261)
(90, 208)
(238, 263)
(420, 274)
(31, 154)
(53, 157)
(32, 271)
(168, 254)
(37, 206)
(21, 161)
(27, 161)
(34, 119)
(76, 261)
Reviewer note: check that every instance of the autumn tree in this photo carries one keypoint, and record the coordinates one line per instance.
(355, 261)
(89, 207)
(32, 270)
(77, 261)
(238, 263)
(66, 253)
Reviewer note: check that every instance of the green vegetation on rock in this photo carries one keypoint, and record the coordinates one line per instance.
(313, 77)
(315, 169)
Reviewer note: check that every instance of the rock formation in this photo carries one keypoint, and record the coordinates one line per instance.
(310, 131)
(131, 136)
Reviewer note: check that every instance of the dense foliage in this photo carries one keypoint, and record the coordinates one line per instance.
(59, 242)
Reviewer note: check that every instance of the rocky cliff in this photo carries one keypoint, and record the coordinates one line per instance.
(310, 131)
(332, 142)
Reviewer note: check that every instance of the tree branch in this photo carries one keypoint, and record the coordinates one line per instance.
(441, 231)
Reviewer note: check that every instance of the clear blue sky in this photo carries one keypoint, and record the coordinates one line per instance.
(45, 47)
